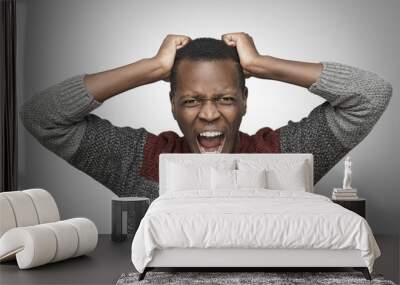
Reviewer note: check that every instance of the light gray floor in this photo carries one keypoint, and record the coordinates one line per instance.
(110, 259)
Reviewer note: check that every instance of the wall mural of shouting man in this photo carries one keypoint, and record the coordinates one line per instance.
(208, 100)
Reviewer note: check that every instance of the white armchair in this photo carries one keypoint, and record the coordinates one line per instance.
(31, 231)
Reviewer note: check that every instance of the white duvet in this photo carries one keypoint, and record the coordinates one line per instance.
(250, 218)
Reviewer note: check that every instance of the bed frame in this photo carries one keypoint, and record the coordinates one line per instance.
(248, 259)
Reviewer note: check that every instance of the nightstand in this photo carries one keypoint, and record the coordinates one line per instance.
(126, 214)
(356, 205)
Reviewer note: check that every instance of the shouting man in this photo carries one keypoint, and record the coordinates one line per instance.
(208, 100)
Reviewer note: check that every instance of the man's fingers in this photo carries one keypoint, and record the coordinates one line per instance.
(230, 39)
(186, 41)
(181, 42)
(227, 38)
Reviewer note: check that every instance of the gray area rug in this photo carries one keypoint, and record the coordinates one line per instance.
(275, 278)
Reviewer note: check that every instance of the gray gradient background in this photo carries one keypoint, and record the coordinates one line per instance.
(58, 39)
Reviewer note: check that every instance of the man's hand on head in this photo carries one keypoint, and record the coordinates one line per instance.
(166, 54)
(246, 49)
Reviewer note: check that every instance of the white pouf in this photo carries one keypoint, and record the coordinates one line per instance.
(31, 231)
(46, 207)
(7, 216)
(40, 244)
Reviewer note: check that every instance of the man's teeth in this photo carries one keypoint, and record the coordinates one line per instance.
(210, 134)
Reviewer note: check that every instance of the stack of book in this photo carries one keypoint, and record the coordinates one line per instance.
(344, 194)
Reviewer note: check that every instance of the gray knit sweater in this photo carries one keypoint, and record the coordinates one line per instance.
(125, 160)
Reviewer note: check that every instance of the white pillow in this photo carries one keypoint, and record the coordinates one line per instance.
(181, 177)
(231, 180)
(251, 178)
(288, 179)
(223, 179)
(281, 174)
(186, 175)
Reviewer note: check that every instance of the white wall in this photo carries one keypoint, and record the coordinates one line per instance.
(58, 39)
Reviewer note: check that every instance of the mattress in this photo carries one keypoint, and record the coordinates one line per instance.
(250, 218)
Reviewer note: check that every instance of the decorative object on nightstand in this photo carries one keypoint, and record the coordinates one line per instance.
(347, 192)
(347, 173)
(344, 194)
(127, 212)
(356, 205)
(347, 196)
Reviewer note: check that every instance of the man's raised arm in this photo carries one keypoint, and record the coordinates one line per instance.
(59, 118)
(356, 99)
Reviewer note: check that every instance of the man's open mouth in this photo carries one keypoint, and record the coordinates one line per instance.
(211, 142)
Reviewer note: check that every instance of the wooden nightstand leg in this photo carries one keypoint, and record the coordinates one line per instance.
(364, 271)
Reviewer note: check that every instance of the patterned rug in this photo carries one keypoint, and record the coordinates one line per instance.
(270, 278)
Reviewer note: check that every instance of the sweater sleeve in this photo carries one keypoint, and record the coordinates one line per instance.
(59, 118)
(356, 99)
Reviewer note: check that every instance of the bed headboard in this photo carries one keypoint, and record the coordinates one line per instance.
(207, 159)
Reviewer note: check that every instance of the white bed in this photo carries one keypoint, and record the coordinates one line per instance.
(286, 225)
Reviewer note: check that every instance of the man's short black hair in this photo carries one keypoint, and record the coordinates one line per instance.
(206, 49)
